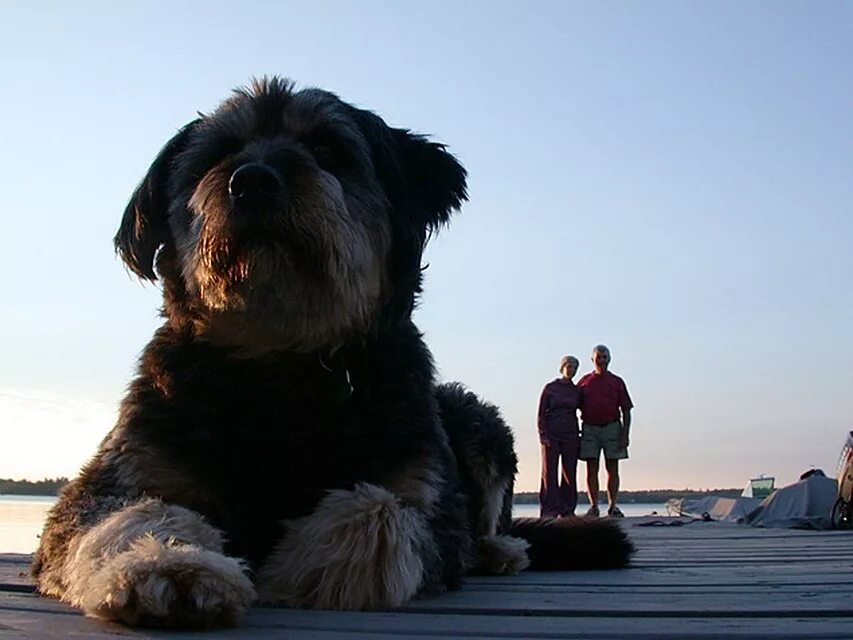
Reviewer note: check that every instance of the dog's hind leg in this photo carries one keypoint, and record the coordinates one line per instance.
(497, 554)
(484, 449)
(150, 564)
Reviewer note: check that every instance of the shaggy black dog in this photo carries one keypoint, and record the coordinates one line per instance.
(284, 439)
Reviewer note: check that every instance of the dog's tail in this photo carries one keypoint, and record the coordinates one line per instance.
(573, 543)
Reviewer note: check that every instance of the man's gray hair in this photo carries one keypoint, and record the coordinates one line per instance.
(566, 360)
(599, 348)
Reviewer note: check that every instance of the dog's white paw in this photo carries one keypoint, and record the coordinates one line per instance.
(502, 555)
(169, 585)
(359, 550)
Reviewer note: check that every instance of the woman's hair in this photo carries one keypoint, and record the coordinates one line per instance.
(566, 360)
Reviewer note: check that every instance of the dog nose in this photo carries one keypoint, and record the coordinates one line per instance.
(254, 179)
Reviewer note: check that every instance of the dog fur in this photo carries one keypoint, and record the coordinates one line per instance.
(284, 439)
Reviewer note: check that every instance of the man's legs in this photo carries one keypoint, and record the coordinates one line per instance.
(612, 467)
(614, 451)
(590, 452)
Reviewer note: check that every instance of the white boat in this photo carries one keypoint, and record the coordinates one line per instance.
(759, 487)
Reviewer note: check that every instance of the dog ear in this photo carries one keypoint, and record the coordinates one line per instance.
(424, 184)
(420, 177)
(434, 176)
(144, 226)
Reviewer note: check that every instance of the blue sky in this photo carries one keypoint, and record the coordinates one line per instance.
(672, 179)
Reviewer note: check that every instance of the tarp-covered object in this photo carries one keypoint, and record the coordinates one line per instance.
(806, 504)
(718, 508)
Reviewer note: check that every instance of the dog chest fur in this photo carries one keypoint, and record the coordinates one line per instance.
(265, 438)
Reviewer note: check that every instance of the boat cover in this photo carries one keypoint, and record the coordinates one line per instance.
(717, 508)
(806, 504)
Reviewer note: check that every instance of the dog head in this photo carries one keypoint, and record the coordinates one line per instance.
(289, 218)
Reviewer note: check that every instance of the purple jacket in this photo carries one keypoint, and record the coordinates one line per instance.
(558, 407)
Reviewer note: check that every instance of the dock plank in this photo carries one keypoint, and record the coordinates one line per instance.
(63, 622)
(703, 580)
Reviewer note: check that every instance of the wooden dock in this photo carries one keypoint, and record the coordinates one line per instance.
(698, 580)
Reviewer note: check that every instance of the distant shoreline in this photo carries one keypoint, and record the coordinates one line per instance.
(46, 487)
(51, 487)
(651, 496)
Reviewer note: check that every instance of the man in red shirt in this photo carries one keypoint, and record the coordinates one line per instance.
(606, 414)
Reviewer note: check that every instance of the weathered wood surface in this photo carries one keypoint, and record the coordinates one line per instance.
(703, 580)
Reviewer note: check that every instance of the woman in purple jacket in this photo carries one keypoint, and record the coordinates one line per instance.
(558, 435)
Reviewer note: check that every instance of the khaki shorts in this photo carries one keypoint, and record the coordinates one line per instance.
(606, 437)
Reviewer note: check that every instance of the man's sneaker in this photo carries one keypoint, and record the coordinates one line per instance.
(592, 512)
(615, 512)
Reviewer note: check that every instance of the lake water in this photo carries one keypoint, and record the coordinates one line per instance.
(631, 510)
(21, 520)
(22, 517)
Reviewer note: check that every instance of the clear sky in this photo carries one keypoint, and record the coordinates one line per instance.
(672, 179)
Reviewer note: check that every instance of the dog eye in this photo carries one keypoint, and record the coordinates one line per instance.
(325, 156)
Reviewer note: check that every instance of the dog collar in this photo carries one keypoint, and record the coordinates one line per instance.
(339, 382)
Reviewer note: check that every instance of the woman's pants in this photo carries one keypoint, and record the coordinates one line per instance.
(558, 492)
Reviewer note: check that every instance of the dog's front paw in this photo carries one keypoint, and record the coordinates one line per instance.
(359, 550)
(169, 585)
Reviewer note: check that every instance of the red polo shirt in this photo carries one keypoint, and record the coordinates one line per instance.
(603, 395)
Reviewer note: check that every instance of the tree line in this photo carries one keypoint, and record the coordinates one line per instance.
(46, 487)
(51, 487)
